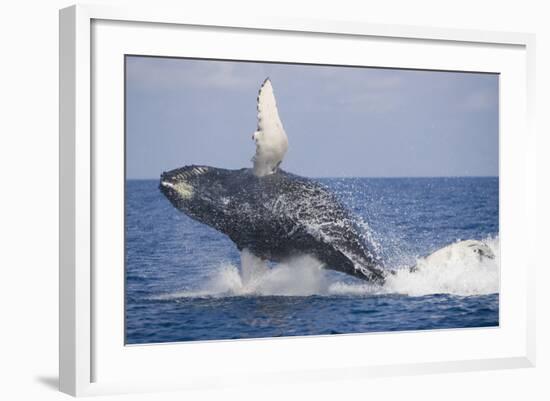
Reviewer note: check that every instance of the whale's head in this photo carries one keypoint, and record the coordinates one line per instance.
(207, 194)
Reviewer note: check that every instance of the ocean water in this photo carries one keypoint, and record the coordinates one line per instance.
(185, 281)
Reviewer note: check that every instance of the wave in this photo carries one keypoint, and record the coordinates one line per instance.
(453, 272)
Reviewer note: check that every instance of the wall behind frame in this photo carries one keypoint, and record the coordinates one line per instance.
(29, 208)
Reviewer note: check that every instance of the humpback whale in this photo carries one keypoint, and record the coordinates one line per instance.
(274, 217)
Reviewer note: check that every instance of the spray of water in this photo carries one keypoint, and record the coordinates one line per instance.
(451, 272)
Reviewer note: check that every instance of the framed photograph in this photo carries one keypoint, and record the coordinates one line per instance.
(284, 200)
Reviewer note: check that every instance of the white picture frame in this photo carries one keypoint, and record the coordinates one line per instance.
(82, 344)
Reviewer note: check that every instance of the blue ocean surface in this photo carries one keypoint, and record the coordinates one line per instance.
(185, 281)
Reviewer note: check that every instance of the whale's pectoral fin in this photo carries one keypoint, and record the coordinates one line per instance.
(269, 123)
(270, 136)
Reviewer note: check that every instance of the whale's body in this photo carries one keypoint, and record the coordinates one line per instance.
(275, 217)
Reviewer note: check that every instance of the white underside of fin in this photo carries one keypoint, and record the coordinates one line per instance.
(270, 137)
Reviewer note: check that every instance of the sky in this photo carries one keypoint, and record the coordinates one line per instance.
(340, 121)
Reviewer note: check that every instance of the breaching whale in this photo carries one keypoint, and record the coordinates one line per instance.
(275, 217)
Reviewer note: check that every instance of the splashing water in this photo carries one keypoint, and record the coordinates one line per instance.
(301, 276)
(454, 272)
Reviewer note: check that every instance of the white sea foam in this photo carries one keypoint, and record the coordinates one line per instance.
(454, 272)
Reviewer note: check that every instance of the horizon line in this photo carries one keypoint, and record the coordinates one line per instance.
(369, 177)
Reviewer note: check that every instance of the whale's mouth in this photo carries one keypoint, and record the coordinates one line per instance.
(183, 189)
(180, 183)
